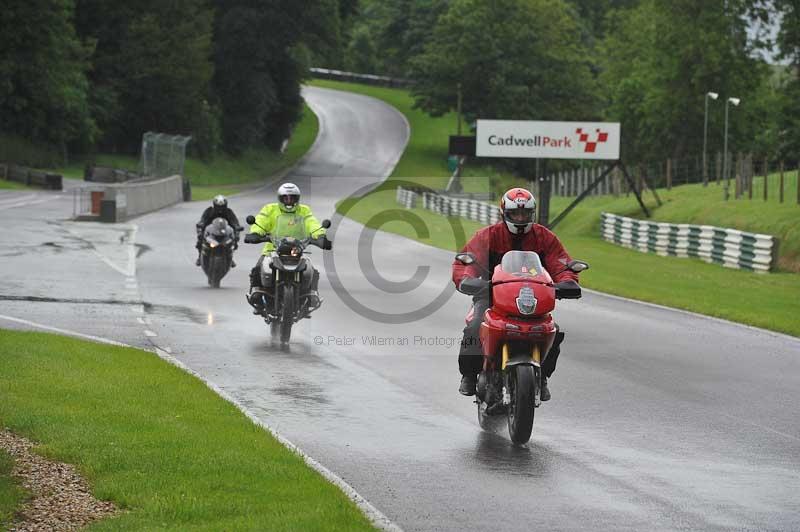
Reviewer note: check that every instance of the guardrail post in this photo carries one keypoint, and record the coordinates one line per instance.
(669, 173)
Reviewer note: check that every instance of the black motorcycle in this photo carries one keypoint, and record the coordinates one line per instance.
(284, 275)
(216, 254)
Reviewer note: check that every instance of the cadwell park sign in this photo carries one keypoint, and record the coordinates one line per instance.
(548, 140)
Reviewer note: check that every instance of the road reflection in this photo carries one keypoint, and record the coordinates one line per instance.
(495, 453)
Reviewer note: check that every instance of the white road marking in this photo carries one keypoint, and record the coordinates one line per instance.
(63, 331)
(139, 309)
(149, 333)
(15, 199)
(25, 204)
(694, 314)
(375, 516)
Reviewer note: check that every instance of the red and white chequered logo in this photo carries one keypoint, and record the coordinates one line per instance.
(591, 145)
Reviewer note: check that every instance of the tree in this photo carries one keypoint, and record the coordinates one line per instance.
(260, 59)
(152, 70)
(659, 60)
(399, 30)
(514, 59)
(789, 42)
(43, 93)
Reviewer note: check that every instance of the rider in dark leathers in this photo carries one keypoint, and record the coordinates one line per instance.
(219, 209)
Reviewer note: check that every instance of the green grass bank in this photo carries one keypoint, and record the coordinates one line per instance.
(770, 301)
(156, 441)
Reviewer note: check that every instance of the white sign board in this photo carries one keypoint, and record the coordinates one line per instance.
(548, 140)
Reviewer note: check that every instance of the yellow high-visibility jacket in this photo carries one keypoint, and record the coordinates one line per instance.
(278, 224)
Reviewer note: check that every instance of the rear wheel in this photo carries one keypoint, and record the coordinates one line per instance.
(287, 313)
(520, 385)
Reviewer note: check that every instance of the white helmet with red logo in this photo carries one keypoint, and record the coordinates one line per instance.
(518, 207)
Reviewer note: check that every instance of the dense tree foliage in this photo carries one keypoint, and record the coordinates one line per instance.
(83, 74)
(86, 74)
(43, 65)
(152, 69)
(659, 60)
(513, 59)
(789, 43)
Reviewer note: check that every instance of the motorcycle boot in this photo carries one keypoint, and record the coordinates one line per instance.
(545, 391)
(257, 297)
(468, 384)
(313, 301)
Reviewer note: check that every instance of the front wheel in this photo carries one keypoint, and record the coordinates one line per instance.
(520, 385)
(287, 313)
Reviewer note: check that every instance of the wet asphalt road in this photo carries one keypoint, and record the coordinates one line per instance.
(660, 420)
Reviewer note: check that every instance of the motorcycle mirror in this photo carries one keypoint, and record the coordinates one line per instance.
(251, 219)
(326, 223)
(465, 258)
(577, 266)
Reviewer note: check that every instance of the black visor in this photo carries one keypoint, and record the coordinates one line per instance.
(289, 199)
(519, 216)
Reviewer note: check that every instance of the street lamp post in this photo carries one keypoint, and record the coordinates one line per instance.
(725, 165)
(713, 96)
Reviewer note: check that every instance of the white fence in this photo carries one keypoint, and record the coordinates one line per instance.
(728, 247)
(471, 209)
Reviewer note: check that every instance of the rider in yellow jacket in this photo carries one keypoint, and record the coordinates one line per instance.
(285, 218)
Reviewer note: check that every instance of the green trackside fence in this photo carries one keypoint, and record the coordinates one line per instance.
(728, 247)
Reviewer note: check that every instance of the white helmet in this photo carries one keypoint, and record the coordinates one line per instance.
(288, 197)
(518, 207)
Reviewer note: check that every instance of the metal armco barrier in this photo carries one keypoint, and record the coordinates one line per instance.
(728, 247)
(470, 209)
(29, 176)
(353, 77)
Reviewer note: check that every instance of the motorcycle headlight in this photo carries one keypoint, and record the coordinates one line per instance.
(213, 243)
(296, 252)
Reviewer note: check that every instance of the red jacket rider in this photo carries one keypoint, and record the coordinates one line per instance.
(516, 231)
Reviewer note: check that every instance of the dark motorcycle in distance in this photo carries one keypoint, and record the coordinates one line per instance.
(284, 273)
(516, 336)
(216, 254)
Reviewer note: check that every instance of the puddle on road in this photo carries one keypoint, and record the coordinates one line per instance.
(166, 311)
(181, 313)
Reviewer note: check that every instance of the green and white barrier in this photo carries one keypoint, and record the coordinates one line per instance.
(471, 209)
(728, 247)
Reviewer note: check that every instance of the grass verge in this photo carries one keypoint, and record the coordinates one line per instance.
(224, 174)
(769, 301)
(158, 442)
(11, 494)
(5, 184)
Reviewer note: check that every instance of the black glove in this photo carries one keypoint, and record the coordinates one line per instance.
(252, 238)
(326, 244)
(568, 290)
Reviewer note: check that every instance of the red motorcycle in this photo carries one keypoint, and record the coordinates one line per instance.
(516, 336)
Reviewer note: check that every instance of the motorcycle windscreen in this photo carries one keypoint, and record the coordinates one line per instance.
(524, 262)
(289, 224)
